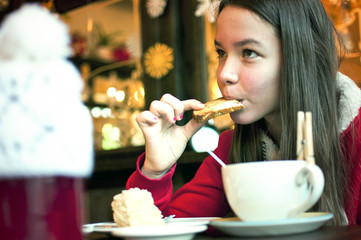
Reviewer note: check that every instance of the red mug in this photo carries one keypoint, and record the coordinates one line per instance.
(41, 208)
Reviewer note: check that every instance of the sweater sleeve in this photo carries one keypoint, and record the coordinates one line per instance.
(351, 146)
(203, 196)
(161, 189)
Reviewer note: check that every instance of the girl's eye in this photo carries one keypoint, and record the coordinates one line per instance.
(249, 53)
(220, 53)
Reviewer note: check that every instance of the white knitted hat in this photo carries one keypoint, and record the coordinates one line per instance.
(45, 129)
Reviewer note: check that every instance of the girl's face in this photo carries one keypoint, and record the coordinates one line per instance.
(249, 64)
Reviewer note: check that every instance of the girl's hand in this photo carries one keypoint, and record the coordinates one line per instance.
(164, 140)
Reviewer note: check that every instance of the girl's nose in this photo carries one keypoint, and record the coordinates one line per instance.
(229, 73)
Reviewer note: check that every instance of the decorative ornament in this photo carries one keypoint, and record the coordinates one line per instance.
(209, 8)
(158, 60)
(155, 8)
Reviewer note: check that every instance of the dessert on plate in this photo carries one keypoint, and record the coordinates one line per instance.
(135, 207)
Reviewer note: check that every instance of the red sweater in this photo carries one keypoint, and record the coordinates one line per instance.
(204, 195)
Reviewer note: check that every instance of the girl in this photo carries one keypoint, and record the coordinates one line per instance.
(277, 57)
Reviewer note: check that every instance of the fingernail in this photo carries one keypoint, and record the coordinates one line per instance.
(174, 119)
(155, 118)
(181, 116)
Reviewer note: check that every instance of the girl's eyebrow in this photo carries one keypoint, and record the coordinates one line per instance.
(247, 41)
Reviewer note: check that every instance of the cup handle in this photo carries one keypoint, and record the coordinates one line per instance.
(311, 174)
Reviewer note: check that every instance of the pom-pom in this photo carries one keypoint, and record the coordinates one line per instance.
(35, 34)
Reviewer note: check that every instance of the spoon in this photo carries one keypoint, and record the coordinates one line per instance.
(167, 219)
(216, 158)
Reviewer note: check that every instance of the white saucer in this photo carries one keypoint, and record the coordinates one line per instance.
(305, 223)
(167, 231)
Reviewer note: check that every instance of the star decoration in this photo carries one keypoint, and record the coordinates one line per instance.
(158, 60)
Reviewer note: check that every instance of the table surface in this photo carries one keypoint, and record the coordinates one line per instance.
(324, 233)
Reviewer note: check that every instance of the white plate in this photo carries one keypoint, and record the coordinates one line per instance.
(108, 227)
(99, 227)
(305, 223)
(167, 231)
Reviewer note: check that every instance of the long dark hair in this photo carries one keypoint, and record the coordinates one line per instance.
(308, 83)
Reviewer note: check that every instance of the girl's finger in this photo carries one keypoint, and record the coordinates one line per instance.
(181, 106)
(192, 104)
(163, 110)
(177, 105)
(146, 118)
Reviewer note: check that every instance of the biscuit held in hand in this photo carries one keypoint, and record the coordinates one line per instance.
(215, 108)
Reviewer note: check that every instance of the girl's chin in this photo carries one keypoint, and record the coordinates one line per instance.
(240, 117)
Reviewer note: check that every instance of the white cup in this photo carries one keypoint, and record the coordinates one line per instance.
(271, 190)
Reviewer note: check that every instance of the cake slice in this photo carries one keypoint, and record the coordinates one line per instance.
(135, 207)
